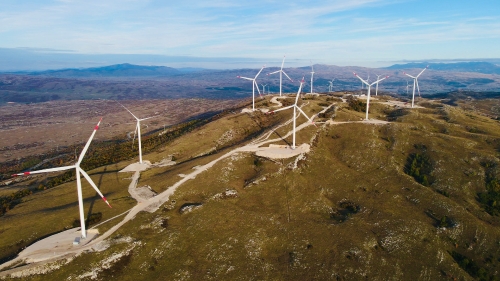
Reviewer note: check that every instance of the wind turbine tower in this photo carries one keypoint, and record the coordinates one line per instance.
(415, 82)
(254, 85)
(295, 108)
(330, 86)
(368, 85)
(281, 72)
(78, 171)
(138, 131)
(376, 88)
(263, 88)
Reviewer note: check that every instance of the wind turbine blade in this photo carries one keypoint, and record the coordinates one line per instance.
(303, 113)
(302, 82)
(408, 75)
(422, 71)
(274, 72)
(129, 111)
(283, 62)
(259, 72)
(88, 143)
(246, 78)
(45, 171)
(298, 92)
(147, 118)
(416, 82)
(284, 108)
(360, 78)
(86, 176)
(257, 86)
(379, 80)
(287, 76)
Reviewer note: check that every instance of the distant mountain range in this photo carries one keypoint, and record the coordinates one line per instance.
(130, 70)
(129, 81)
(117, 70)
(480, 67)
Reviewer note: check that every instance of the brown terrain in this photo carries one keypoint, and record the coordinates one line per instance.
(29, 129)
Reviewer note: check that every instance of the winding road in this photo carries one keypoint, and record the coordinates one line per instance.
(60, 246)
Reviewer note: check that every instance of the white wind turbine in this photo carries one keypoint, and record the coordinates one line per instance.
(254, 85)
(415, 82)
(281, 74)
(376, 88)
(263, 88)
(407, 86)
(330, 87)
(78, 171)
(138, 131)
(368, 85)
(312, 75)
(295, 107)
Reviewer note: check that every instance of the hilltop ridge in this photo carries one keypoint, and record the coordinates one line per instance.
(404, 199)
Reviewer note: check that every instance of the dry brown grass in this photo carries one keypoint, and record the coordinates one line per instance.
(281, 226)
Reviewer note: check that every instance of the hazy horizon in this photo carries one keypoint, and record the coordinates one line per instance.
(26, 59)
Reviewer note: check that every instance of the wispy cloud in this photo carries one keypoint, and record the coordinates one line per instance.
(323, 30)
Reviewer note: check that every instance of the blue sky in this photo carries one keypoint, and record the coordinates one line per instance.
(339, 32)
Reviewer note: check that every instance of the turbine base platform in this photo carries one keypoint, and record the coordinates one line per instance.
(137, 167)
(56, 245)
(282, 151)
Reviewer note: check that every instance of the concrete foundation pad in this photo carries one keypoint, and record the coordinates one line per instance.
(56, 245)
(282, 151)
(137, 167)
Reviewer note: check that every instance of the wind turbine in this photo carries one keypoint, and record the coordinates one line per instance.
(254, 85)
(295, 107)
(281, 74)
(330, 87)
(263, 88)
(415, 82)
(376, 88)
(138, 131)
(368, 85)
(312, 75)
(78, 171)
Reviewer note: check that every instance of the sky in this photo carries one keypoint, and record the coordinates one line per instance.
(233, 34)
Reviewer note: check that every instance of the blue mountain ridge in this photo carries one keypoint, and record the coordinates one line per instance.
(479, 66)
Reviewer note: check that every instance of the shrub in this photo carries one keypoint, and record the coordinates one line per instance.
(471, 267)
(8, 202)
(329, 113)
(356, 104)
(491, 198)
(419, 166)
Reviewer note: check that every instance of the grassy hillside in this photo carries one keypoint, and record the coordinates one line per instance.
(415, 199)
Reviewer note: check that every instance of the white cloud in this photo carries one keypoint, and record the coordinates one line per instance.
(329, 30)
